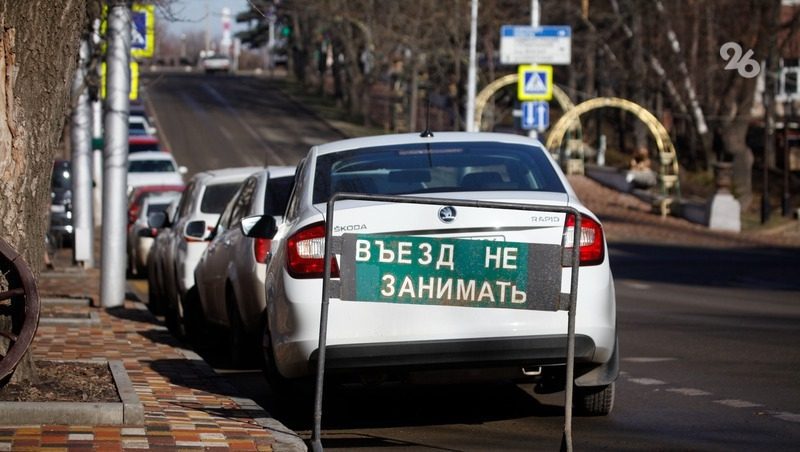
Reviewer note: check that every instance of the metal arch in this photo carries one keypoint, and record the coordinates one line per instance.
(666, 149)
(489, 90)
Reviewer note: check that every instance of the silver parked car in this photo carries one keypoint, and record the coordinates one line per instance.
(201, 204)
(230, 275)
(140, 235)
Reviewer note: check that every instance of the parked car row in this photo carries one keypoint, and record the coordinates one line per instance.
(154, 180)
(431, 294)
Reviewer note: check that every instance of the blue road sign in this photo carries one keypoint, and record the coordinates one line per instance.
(535, 115)
(142, 30)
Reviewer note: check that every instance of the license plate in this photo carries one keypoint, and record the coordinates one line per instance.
(450, 271)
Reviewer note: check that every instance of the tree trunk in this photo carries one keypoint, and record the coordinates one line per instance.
(733, 134)
(38, 53)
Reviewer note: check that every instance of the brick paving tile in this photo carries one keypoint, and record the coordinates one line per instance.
(187, 406)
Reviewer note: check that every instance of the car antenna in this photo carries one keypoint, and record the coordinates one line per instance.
(427, 132)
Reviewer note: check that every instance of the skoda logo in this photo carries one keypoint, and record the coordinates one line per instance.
(447, 214)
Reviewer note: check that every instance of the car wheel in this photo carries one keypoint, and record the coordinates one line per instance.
(141, 269)
(173, 317)
(288, 395)
(241, 346)
(594, 400)
(193, 317)
(153, 297)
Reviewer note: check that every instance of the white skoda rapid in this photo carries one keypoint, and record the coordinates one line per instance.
(431, 290)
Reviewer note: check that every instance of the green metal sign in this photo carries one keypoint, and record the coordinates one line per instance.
(450, 271)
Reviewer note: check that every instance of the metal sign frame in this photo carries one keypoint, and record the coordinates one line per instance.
(574, 261)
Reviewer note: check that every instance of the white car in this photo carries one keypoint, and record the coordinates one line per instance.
(215, 63)
(230, 275)
(140, 125)
(201, 204)
(414, 327)
(140, 235)
(153, 168)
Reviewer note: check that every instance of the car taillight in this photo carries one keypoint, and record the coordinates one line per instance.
(305, 251)
(133, 212)
(592, 250)
(261, 250)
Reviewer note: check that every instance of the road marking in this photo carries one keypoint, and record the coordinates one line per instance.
(227, 134)
(221, 99)
(646, 381)
(689, 392)
(785, 416)
(730, 403)
(735, 403)
(646, 359)
(637, 285)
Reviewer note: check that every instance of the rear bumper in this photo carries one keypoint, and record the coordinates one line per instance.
(521, 351)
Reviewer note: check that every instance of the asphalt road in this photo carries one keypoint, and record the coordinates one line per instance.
(710, 338)
(211, 122)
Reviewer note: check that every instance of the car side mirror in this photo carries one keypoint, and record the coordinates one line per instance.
(195, 230)
(183, 170)
(259, 226)
(157, 220)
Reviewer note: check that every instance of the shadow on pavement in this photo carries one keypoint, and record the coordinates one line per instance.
(399, 405)
(746, 268)
(136, 315)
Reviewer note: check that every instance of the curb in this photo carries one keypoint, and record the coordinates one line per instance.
(65, 300)
(285, 439)
(79, 319)
(127, 412)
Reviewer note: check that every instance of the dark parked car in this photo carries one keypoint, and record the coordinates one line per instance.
(61, 230)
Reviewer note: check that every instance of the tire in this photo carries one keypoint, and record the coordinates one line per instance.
(594, 400)
(241, 346)
(288, 395)
(194, 320)
(173, 317)
(153, 298)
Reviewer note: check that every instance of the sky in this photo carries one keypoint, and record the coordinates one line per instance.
(194, 18)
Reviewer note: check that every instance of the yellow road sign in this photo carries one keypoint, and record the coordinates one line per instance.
(535, 82)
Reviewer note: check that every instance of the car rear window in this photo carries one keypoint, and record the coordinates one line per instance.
(216, 197)
(159, 207)
(435, 167)
(151, 166)
(146, 147)
(278, 191)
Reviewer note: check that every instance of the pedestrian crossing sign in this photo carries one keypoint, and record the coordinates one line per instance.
(535, 82)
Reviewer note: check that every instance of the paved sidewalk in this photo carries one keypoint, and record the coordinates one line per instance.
(186, 404)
